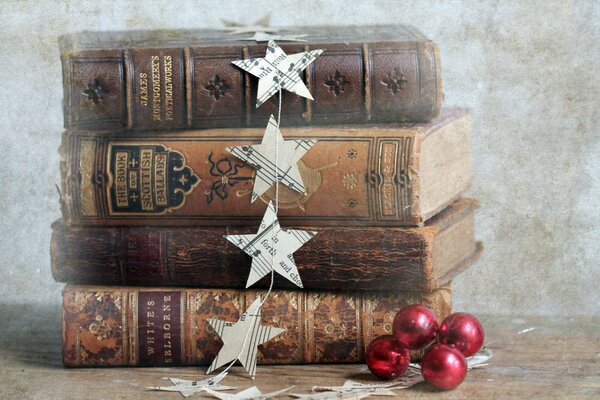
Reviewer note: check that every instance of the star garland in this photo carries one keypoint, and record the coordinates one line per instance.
(271, 248)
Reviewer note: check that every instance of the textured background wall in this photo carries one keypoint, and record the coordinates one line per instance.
(530, 71)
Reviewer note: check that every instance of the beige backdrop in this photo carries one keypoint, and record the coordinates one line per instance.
(530, 71)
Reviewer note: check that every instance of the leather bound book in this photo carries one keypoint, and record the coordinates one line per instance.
(336, 258)
(184, 79)
(355, 175)
(106, 326)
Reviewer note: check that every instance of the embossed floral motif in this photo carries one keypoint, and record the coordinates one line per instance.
(350, 180)
(217, 87)
(337, 83)
(94, 92)
(351, 203)
(336, 328)
(395, 81)
(387, 323)
(352, 153)
(226, 171)
(100, 328)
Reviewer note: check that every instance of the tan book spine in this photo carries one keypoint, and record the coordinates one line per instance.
(376, 175)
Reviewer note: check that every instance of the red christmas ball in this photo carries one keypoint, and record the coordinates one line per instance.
(463, 332)
(386, 358)
(444, 367)
(415, 326)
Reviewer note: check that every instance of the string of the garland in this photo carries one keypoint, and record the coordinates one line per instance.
(273, 234)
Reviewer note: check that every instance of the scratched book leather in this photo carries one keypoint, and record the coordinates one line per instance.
(185, 79)
(123, 326)
(355, 175)
(336, 258)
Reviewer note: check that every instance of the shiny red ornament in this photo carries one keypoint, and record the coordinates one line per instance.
(463, 332)
(386, 358)
(444, 367)
(415, 326)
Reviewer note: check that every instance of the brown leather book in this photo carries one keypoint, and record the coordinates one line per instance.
(336, 258)
(185, 79)
(355, 175)
(124, 326)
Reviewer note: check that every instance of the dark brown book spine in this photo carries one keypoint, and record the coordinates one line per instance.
(336, 258)
(198, 87)
(123, 326)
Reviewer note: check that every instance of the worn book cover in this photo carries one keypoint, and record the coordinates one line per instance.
(336, 258)
(125, 326)
(184, 79)
(355, 175)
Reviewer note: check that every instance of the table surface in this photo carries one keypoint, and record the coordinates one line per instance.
(534, 357)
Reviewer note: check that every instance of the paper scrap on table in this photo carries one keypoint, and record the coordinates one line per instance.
(249, 394)
(375, 389)
(331, 395)
(188, 388)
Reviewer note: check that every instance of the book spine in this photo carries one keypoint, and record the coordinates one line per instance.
(107, 326)
(187, 87)
(190, 179)
(390, 259)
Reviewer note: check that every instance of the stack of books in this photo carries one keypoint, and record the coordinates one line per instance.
(149, 191)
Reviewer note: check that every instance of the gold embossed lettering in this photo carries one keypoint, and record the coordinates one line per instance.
(160, 178)
(146, 156)
(156, 100)
(167, 352)
(133, 180)
(168, 72)
(121, 160)
(150, 323)
(143, 84)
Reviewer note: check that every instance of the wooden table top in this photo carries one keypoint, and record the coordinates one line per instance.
(534, 357)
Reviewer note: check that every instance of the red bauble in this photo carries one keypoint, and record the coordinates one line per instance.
(386, 358)
(463, 332)
(415, 326)
(444, 367)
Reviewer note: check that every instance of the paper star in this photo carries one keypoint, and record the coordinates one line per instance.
(375, 389)
(241, 338)
(272, 248)
(265, 37)
(278, 70)
(274, 159)
(262, 25)
(188, 388)
(249, 394)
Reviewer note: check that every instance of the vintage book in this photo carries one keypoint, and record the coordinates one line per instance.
(126, 326)
(185, 79)
(355, 175)
(336, 258)
(419, 258)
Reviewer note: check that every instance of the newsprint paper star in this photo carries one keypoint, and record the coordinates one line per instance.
(272, 248)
